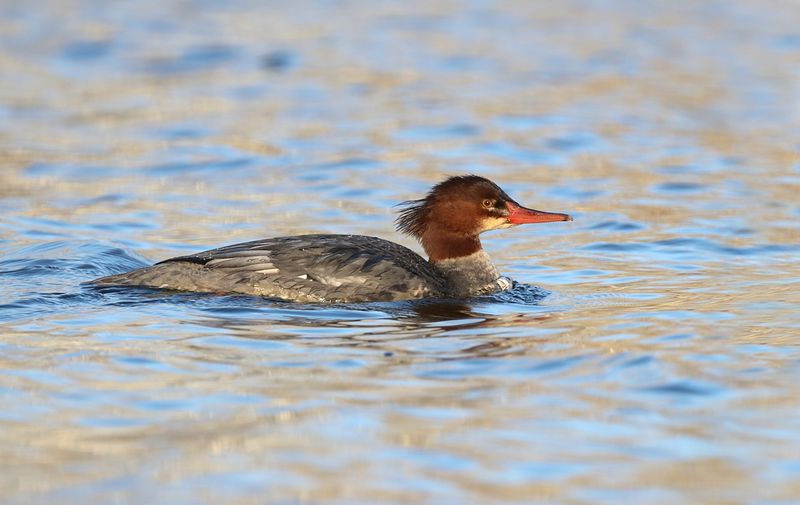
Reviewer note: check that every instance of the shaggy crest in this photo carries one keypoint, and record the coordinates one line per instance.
(411, 219)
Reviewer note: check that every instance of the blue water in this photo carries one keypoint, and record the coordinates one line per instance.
(648, 353)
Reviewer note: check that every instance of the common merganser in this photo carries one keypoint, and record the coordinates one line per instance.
(357, 268)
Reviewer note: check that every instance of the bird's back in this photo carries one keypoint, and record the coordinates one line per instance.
(305, 268)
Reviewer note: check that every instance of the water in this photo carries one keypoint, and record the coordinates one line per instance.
(650, 353)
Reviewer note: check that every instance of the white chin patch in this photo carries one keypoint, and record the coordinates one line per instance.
(494, 223)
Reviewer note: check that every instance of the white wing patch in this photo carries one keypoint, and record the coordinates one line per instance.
(339, 281)
(259, 264)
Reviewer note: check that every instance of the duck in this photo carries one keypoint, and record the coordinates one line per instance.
(340, 268)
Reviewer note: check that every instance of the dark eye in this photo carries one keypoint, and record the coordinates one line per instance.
(488, 204)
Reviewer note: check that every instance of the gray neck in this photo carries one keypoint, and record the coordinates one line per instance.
(470, 275)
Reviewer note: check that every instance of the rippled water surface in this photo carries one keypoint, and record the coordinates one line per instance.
(650, 353)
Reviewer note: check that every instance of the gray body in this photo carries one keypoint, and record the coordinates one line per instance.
(318, 268)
